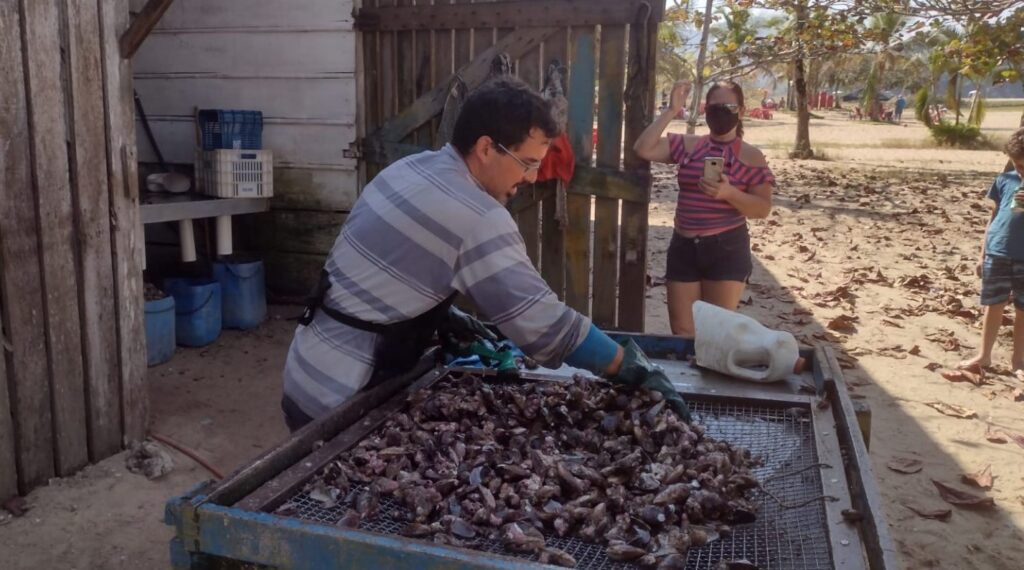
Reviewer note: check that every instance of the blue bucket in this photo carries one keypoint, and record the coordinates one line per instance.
(197, 309)
(159, 330)
(244, 293)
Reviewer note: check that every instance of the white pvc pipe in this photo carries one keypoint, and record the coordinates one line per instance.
(188, 241)
(224, 245)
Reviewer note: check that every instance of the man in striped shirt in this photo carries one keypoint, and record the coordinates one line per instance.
(434, 224)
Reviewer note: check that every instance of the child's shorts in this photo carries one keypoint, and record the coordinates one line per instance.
(1002, 277)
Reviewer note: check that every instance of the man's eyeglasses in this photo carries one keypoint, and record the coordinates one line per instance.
(527, 168)
(732, 107)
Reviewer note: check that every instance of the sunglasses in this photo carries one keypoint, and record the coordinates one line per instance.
(527, 168)
(732, 107)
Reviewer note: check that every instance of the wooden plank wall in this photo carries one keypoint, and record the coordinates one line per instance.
(73, 368)
(597, 261)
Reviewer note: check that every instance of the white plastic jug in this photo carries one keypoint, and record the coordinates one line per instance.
(739, 346)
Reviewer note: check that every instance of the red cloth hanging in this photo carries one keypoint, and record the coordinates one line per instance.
(560, 161)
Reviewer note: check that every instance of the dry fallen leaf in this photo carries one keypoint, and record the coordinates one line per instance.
(843, 324)
(932, 366)
(905, 465)
(953, 410)
(982, 479)
(962, 498)
(938, 514)
(1016, 437)
(995, 436)
(965, 376)
(1015, 395)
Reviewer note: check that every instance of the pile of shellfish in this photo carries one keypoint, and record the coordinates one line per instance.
(517, 461)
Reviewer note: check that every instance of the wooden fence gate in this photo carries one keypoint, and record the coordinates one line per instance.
(413, 49)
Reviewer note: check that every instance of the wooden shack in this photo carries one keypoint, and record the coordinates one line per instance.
(346, 87)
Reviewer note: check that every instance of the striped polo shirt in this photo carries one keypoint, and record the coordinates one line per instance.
(421, 230)
(696, 212)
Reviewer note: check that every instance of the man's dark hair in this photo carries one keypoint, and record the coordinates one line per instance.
(504, 109)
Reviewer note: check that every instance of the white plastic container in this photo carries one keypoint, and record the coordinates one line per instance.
(741, 347)
(227, 173)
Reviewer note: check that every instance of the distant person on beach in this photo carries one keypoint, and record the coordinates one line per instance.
(1002, 261)
(901, 103)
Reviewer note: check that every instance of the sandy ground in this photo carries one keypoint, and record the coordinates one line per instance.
(887, 231)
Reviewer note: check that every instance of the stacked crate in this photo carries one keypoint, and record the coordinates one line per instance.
(231, 162)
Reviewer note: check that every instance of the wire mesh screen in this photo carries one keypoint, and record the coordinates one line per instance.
(782, 537)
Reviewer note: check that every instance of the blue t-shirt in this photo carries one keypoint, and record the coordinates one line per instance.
(1005, 236)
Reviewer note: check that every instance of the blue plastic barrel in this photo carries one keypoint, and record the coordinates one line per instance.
(197, 308)
(159, 330)
(244, 292)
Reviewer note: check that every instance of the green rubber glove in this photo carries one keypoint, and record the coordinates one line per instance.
(638, 371)
(463, 327)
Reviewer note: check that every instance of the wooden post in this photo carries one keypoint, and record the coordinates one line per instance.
(24, 343)
(639, 99)
(530, 71)
(8, 459)
(581, 126)
(552, 255)
(143, 24)
(47, 108)
(91, 201)
(125, 226)
(609, 149)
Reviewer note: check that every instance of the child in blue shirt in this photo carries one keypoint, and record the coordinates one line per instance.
(1002, 261)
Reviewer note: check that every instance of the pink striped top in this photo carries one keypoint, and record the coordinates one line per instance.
(696, 212)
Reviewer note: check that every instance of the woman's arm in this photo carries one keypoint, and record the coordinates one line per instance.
(650, 145)
(756, 202)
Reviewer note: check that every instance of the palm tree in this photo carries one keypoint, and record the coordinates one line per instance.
(884, 28)
(735, 30)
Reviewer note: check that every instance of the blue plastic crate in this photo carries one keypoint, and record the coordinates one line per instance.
(227, 129)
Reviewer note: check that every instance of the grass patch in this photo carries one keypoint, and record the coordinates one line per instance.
(1005, 104)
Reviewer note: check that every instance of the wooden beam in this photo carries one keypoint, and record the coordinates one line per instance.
(504, 14)
(580, 130)
(48, 94)
(639, 108)
(91, 202)
(610, 85)
(125, 225)
(144, 23)
(432, 103)
(21, 282)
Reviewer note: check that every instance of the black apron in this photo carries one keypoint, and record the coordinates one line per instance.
(401, 344)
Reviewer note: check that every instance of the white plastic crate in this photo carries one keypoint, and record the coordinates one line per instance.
(228, 173)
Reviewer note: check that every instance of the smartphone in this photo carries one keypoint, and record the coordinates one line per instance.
(713, 168)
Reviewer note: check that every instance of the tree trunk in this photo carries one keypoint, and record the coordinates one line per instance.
(974, 104)
(803, 116)
(698, 75)
(1009, 163)
(802, 149)
(956, 99)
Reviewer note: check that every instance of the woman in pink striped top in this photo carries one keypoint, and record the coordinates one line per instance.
(709, 255)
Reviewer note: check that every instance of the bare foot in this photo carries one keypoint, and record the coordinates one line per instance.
(974, 364)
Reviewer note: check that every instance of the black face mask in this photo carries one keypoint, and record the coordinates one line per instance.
(721, 120)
